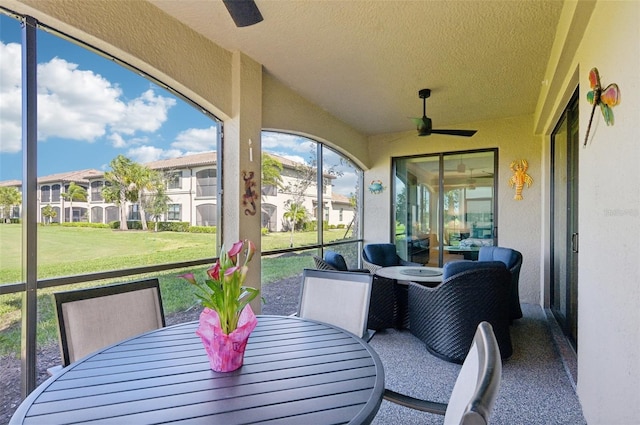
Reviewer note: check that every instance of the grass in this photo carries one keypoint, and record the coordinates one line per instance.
(65, 251)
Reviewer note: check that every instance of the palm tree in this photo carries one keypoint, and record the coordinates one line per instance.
(121, 188)
(157, 204)
(9, 196)
(144, 181)
(48, 213)
(74, 193)
(296, 213)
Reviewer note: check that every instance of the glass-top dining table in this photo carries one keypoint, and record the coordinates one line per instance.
(295, 371)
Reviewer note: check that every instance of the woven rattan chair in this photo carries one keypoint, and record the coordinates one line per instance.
(445, 318)
(321, 264)
(513, 260)
(383, 255)
(476, 389)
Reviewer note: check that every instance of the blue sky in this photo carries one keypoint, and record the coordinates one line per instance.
(91, 109)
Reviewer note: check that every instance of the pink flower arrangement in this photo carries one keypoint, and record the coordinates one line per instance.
(224, 291)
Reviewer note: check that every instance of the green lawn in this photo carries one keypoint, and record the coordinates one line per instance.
(65, 251)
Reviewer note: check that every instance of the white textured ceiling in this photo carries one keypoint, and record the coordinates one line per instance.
(364, 61)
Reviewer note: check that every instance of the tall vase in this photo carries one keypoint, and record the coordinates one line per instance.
(225, 352)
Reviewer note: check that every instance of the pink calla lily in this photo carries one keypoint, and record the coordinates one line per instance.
(251, 249)
(214, 272)
(224, 291)
(235, 250)
(189, 277)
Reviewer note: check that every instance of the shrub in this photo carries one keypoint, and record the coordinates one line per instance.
(203, 229)
(131, 225)
(264, 231)
(86, 224)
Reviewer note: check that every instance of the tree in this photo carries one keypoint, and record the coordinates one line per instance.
(157, 204)
(48, 213)
(144, 182)
(297, 214)
(122, 187)
(9, 196)
(74, 193)
(271, 171)
(305, 178)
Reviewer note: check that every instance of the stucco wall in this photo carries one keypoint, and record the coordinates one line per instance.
(609, 206)
(519, 221)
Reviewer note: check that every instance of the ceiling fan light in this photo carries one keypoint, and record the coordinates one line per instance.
(462, 167)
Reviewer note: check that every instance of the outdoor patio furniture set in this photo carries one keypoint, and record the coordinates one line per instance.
(445, 314)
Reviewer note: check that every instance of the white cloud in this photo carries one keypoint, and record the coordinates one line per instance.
(144, 154)
(196, 140)
(146, 113)
(75, 104)
(279, 141)
(10, 98)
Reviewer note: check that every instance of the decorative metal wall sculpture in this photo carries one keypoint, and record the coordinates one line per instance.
(606, 98)
(520, 177)
(250, 195)
(376, 187)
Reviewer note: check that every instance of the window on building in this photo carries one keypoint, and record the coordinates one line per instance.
(96, 191)
(174, 212)
(206, 215)
(55, 193)
(45, 193)
(134, 212)
(206, 181)
(174, 180)
(269, 190)
(341, 214)
(96, 214)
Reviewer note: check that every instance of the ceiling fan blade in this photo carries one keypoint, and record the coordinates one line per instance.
(464, 133)
(243, 12)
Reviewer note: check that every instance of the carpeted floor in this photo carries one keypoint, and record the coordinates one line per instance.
(535, 386)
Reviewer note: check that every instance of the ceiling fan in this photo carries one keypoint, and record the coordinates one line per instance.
(243, 12)
(424, 124)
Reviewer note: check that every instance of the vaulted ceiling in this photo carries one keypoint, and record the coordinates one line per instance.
(364, 61)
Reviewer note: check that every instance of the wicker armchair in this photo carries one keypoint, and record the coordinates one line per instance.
(321, 264)
(383, 255)
(513, 260)
(445, 318)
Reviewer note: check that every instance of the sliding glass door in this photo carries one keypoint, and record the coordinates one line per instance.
(444, 205)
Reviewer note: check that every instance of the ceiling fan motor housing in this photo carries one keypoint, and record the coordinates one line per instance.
(424, 128)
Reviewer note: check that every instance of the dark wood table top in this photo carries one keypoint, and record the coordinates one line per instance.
(295, 372)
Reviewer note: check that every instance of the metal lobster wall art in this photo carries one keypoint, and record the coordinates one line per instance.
(520, 177)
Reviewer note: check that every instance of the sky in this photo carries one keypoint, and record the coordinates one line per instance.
(91, 109)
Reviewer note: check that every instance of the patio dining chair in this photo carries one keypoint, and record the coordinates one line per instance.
(93, 318)
(338, 298)
(476, 389)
